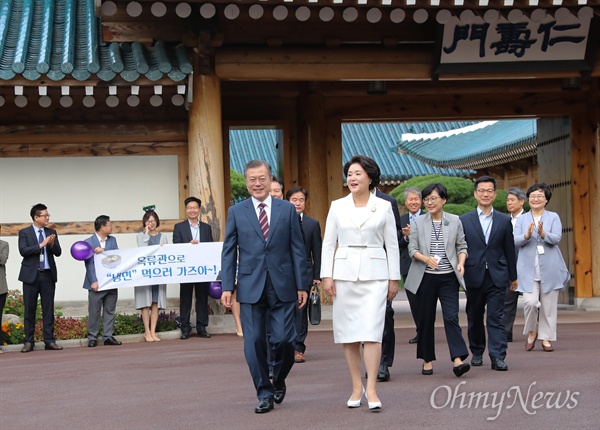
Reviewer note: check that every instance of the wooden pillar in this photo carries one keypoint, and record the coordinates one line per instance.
(205, 151)
(312, 154)
(583, 144)
(333, 142)
(594, 154)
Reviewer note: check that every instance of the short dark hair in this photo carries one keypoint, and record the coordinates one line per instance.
(253, 164)
(279, 181)
(192, 199)
(517, 192)
(543, 187)
(485, 179)
(441, 189)
(294, 190)
(36, 210)
(147, 215)
(369, 165)
(101, 221)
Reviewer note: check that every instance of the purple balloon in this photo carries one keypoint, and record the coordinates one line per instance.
(81, 250)
(215, 290)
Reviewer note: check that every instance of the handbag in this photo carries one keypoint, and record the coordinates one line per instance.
(314, 305)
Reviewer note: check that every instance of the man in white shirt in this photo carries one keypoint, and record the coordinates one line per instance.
(515, 199)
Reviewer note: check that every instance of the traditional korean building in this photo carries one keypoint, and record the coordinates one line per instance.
(91, 83)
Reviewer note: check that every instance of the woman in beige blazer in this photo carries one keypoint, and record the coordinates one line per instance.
(438, 248)
(360, 268)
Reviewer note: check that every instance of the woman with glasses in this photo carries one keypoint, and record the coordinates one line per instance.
(541, 269)
(438, 250)
(151, 298)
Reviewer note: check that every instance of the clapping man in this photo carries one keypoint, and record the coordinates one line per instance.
(100, 302)
(38, 245)
(263, 245)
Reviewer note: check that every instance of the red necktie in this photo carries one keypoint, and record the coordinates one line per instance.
(263, 220)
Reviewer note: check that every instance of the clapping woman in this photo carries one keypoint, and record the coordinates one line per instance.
(151, 298)
(438, 248)
(541, 269)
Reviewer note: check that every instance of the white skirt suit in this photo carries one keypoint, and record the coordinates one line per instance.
(360, 252)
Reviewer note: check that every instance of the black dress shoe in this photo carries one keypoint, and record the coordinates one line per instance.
(27, 347)
(426, 372)
(280, 390)
(383, 374)
(264, 406)
(203, 333)
(53, 346)
(112, 341)
(184, 335)
(477, 360)
(499, 364)
(92, 343)
(414, 339)
(461, 369)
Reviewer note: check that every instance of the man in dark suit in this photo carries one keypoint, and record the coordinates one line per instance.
(311, 233)
(263, 246)
(489, 270)
(193, 231)
(412, 201)
(100, 302)
(388, 341)
(38, 245)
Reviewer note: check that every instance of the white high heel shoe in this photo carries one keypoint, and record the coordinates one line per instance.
(373, 406)
(355, 403)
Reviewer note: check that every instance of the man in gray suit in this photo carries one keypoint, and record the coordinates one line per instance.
(104, 301)
(3, 283)
(263, 245)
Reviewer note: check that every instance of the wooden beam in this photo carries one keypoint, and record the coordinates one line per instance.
(87, 227)
(87, 149)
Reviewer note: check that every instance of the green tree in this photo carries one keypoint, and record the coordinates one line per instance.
(238, 186)
(460, 193)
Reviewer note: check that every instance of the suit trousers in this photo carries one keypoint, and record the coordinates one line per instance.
(45, 287)
(445, 288)
(511, 300)
(388, 341)
(541, 312)
(104, 302)
(488, 296)
(2, 303)
(301, 328)
(186, 291)
(414, 307)
(279, 316)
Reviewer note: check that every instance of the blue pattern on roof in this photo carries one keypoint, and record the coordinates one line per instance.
(472, 145)
(375, 140)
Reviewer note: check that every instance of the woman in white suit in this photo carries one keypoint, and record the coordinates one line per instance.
(362, 273)
(151, 298)
(438, 248)
(541, 269)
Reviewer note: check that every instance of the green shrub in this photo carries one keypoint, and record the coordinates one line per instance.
(13, 334)
(239, 191)
(64, 328)
(14, 305)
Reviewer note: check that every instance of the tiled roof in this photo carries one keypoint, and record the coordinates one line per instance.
(474, 147)
(59, 39)
(376, 140)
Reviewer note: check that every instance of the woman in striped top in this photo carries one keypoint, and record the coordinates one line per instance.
(438, 248)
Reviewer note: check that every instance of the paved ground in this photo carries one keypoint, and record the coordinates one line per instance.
(204, 383)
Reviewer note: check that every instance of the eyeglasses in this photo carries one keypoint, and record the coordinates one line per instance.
(431, 200)
(150, 221)
(537, 196)
(44, 216)
(253, 180)
(486, 191)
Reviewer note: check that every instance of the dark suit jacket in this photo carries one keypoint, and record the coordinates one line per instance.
(499, 252)
(405, 259)
(282, 255)
(90, 266)
(312, 246)
(395, 210)
(29, 248)
(183, 234)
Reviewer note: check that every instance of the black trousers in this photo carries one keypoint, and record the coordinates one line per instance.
(489, 300)
(44, 287)
(2, 303)
(388, 342)
(186, 292)
(301, 328)
(414, 307)
(511, 299)
(445, 288)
